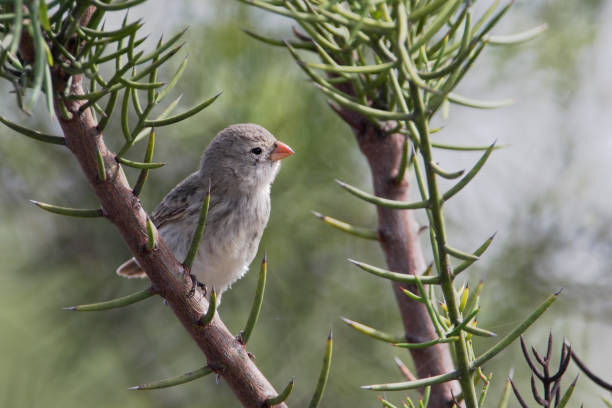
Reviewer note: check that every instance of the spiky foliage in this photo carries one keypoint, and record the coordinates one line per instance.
(89, 76)
(391, 66)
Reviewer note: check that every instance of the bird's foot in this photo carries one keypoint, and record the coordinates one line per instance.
(195, 283)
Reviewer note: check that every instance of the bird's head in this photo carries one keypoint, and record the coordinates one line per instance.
(244, 156)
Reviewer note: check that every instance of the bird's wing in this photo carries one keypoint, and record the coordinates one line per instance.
(176, 202)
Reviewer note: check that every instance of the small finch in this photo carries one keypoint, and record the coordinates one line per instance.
(240, 164)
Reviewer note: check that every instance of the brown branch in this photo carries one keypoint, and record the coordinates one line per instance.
(399, 234)
(224, 353)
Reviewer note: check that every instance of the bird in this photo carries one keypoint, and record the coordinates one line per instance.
(239, 166)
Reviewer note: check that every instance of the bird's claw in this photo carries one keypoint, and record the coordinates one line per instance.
(196, 284)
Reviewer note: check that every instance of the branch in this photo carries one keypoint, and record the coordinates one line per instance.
(225, 354)
(399, 236)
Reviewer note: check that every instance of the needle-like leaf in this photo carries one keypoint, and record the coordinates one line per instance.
(324, 374)
(170, 382)
(115, 303)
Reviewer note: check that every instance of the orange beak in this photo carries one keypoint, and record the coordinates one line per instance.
(280, 151)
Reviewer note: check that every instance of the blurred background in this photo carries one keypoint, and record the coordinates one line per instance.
(547, 194)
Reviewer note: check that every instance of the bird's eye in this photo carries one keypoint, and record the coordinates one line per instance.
(256, 150)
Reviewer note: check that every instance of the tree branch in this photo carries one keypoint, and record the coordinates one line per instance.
(399, 234)
(224, 353)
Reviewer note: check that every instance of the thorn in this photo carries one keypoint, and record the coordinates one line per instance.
(329, 336)
(137, 387)
(69, 308)
(317, 214)
(557, 293)
(354, 262)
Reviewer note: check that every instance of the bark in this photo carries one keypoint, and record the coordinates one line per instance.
(224, 353)
(399, 234)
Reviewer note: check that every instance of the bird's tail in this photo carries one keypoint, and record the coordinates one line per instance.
(131, 269)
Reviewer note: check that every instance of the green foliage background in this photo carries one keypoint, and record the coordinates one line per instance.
(63, 359)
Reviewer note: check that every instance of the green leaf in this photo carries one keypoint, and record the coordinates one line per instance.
(170, 382)
(376, 334)
(410, 385)
(280, 397)
(181, 116)
(395, 276)
(140, 165)
(478, 252)
(71, 212)
(324, 374)
(469, 176)
(257, 302)
(44, 18)
(383, 202)
(568, 394)
(348, 228)
(517, 38)
(199, 231)
(150, 236)
(144, 173)
(122, 5)
(34, 134)
(427, 344)
(515, 333)
(505, 398)
(212, 307)
(115, 303)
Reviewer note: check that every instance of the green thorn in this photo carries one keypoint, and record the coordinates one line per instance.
(503, 402)
(446, 174)
(212, 307)
(383, 202)
(463, 148)
(72, 212)
(386, 403)
(101, 167)
(348, 228)
(395, 276)
(173, 81)
(144, 173)
(412, 296)
(280, 397)
(324, 374)
(169, 382)
(257, 302)
(464, 256)
(517, 38)
(376, 334)
(568, 393)
(478, 252)
(514, 334)
(140, 165)
(477, 331)
(150, 236)
(461, 326)
(278, 43)
(34, 134)
(115, 303)
(199, 232)
(469, 176)
(409, 385)
(426, 344)
(353, 69)
(181, 116)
